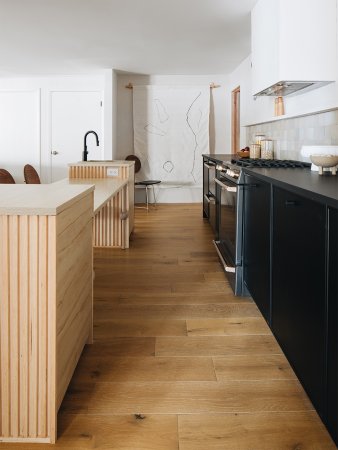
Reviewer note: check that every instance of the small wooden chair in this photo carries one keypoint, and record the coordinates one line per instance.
(6, 177)
(31, 175)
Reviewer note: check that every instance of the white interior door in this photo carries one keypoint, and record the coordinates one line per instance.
(72, 115)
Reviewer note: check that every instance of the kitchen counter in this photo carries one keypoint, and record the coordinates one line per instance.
(46, 302)
(220, 157)
(39, 199)
(46, 296)
(105, 188)
(321, 188)
(108, 163)
(111, 209)
(112, 170)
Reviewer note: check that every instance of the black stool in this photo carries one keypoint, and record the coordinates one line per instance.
(146, 183)
(149, 184)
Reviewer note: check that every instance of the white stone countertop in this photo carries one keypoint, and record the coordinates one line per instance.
(105, 188)
(102, 163)
(40, 199)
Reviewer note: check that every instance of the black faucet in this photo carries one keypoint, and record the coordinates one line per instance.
(85, 151)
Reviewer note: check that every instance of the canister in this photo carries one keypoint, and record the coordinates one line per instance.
(255, 151)
(259, 137)
(267, 149)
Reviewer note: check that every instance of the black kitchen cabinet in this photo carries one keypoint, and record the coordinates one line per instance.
(209, 192)
(256, 254)
(205, 189)
(332, 360)
(299, 288)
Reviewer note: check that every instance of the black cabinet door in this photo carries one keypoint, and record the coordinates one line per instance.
(298, 288)
(332, 410)
(205, 189)
(256, 251)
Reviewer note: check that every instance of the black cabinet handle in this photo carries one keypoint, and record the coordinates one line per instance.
(291, 203)
(249, 186)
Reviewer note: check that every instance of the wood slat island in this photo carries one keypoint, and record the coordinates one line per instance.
(113, 170)
(111, 226)
(46, 296)
(45, 302)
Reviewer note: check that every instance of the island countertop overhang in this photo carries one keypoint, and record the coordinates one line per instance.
(40, 199)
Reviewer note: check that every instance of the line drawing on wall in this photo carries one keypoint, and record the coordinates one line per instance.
(171, 132)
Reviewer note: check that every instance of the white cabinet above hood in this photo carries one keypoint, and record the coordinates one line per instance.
(294, 45)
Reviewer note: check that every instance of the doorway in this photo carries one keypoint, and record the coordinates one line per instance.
(235, 120)
(73, 113)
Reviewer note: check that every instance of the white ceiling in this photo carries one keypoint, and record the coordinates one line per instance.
(42, 37)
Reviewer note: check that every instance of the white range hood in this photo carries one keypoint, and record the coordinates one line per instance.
(283, 88)
(294, 46)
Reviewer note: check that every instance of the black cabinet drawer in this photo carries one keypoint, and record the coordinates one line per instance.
(298, 288)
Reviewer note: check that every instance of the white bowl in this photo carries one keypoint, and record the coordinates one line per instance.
(308, 150)
(324, 160)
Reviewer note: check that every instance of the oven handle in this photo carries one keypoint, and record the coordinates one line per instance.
(227, 268)
(224, 186)
(209, 199)
(209, 166)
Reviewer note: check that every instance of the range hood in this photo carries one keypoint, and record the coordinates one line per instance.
(283, 88)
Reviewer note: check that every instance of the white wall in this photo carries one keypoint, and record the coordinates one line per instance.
(40, 109)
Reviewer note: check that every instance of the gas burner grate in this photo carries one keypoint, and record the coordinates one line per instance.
(270, 163)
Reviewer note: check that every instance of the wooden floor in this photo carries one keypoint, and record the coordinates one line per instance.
(179, 362)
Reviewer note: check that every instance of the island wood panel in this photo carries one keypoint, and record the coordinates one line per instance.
(125, 171)
(73, 281)
(111, 225)
(45, 315)
(27, 330)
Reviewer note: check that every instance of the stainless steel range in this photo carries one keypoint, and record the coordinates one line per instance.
(230, 191)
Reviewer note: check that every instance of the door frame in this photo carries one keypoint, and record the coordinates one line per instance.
(235, 120)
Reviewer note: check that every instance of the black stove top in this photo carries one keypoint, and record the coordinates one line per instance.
(269, 163)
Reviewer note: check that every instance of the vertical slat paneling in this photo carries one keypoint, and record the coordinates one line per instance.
(102, 225)
(4, 328)
(124, 222)
(28, 302)
(43, 282)
(109, 235)
(109, 230)
(51, 335)
(33, 324)
(111, 227)
(24, 321)
(14, 322)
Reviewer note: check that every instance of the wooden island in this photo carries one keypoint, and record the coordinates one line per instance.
(114, 170)
(45, 302)
(111, 227)
(46, 292)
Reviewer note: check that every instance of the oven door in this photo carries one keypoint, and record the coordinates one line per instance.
(209, 191)
(229, 243)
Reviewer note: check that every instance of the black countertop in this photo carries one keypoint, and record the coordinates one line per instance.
(220, 157)
(321, 188)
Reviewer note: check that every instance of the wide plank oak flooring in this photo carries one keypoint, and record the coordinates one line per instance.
(178, 362)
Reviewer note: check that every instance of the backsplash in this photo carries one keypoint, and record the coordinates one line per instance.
(290, 134)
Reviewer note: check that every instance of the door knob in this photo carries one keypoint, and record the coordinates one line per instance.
(54, 152)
